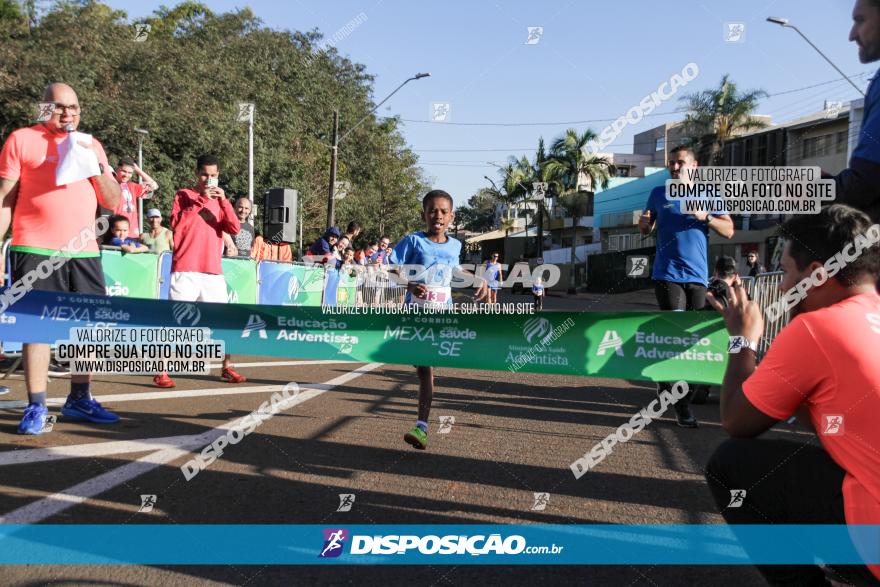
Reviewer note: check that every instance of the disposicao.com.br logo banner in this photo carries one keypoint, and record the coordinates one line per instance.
(427, 542)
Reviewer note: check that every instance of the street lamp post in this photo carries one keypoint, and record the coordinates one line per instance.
(246, 112)
(783, 22)
(334, 153)
(141, 133)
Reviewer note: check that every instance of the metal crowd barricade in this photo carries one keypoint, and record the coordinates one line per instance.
(377, 289)
(749, 285)
(766, 293)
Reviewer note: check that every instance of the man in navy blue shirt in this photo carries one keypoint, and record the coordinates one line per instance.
(859, 184)
(681, 265)
(322, 249)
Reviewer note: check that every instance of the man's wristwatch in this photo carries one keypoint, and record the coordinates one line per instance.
(737, 343)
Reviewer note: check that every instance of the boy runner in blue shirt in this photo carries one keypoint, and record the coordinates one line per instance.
(432, 256)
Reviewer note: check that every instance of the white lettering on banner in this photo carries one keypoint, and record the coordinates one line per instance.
(255, 323)
(442, 545)
(687, 355)
(611, 340)
(326, 337)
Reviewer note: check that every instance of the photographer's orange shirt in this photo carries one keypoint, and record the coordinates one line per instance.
(829, 361)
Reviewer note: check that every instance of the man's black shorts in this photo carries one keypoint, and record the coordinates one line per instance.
(80, 274)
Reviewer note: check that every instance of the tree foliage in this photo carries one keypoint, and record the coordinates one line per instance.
(717, 114)
(183, 84)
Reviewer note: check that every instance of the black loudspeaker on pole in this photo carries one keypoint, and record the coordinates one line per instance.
(280, 215)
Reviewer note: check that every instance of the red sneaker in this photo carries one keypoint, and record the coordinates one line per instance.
(163, 380)
(230, 375)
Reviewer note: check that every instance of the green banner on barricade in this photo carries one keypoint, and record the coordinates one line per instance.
(131, 275)
(656, 346)
(286, 284)
(346, 289)
(241, 280)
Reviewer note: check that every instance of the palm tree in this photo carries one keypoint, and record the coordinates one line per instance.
(510, 193)
(716, 115)
(568, 162)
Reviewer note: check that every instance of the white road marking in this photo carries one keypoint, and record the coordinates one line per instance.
(38, 511)
(64, 375)
(171, 394)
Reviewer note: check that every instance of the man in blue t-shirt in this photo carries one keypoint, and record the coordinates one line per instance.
(681, 266)
(859, 184)
(426, 259)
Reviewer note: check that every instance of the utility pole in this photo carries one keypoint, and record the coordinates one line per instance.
(141, 134)
(334, 154)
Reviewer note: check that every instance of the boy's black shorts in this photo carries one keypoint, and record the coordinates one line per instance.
(80, 274)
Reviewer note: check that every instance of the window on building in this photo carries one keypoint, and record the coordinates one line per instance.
(824, 145)
(660, 144)
(842, 140)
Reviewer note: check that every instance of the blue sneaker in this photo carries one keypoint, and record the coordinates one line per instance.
(88, 409)
(34, 419)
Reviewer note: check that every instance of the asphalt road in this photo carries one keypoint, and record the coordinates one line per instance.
(512, 436)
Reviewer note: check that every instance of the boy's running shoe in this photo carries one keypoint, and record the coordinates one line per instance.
(230, 375)
(89, 410)
(417, 437)
(34, 419)
(163, 380)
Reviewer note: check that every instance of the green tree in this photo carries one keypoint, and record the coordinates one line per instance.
(716, 115)
(567, 165)
(478, 214)
(183, 84)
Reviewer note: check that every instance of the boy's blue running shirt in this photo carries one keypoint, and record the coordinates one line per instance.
(430, 263)
(682, 242)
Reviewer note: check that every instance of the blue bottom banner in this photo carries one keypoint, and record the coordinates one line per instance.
(279, 544)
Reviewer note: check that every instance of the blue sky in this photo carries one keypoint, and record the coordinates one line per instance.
(594, 61)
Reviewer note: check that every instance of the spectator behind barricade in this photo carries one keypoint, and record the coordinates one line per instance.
(117, 236)
(157, 237)
(347, 262)
(340, 246)
(380, 257)
(199, 218)
(754, 264)
(822, 367)
(723, 278)
(322, 249)
(47, 219)
(244, 240)
(362, 256)
(353, 231)
(132, 192)
(270, 250)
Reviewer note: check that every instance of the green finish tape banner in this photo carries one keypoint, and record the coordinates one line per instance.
(131, 275)
(654, 346)
(241, 280)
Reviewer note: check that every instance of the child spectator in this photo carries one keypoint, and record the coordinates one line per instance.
(118, 236)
